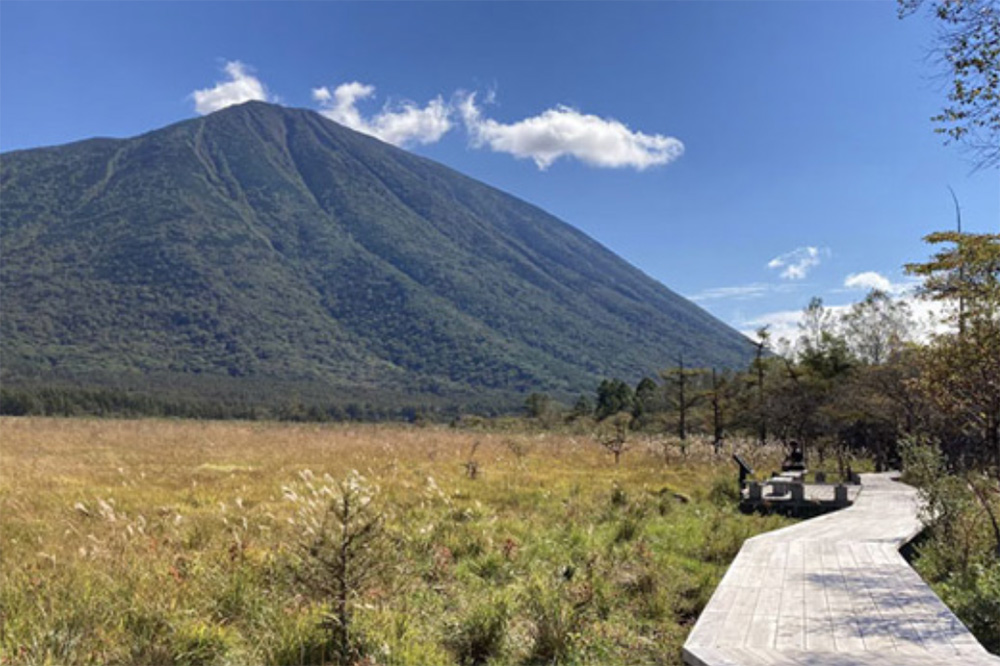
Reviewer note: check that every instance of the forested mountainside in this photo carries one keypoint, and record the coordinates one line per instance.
(262, 248)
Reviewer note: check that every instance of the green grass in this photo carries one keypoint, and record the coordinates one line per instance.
(159, 542)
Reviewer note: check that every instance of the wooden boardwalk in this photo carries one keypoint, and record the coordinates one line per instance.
(833, 591)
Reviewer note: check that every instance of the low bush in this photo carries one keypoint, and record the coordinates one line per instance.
(478, 635)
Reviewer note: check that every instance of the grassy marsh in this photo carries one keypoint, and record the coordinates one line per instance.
(180, 542)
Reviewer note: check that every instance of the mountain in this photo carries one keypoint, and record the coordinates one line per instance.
(268, 249)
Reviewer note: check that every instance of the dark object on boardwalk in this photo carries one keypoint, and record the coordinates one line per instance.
(745, 470)
(795, 460)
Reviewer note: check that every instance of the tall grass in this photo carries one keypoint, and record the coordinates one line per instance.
(169, 542)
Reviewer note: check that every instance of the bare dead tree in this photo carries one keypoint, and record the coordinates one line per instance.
(618, 442)
(685, 399)
(717, 431)
(763, 335)
(471, 465)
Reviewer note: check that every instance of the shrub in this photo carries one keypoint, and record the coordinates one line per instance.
(479, 634)
(491, 566)
(723, 537)
(724, 491)
(628, 529)
(199, 644)
(691, 594)
(239, 595)
(619, 497)
(295, 639)
(976, 599)
(557, 619)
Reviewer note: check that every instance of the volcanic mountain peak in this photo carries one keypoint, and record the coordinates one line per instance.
(262, 246)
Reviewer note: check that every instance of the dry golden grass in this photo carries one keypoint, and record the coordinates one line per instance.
(157, 541)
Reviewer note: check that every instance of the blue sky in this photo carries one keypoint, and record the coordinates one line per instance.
(748, 155)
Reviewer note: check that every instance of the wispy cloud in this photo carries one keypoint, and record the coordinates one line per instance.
(743, 292)
(795, 265)
(565, 132)
(401, 124)
(242, 86)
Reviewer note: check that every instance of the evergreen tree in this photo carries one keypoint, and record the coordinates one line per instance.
(613, 396)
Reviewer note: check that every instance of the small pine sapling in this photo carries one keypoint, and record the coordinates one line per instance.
(339, 551)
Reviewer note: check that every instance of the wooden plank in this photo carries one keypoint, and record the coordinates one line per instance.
(791, 633)
(763, 631)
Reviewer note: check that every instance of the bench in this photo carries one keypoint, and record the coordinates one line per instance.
(785, 483)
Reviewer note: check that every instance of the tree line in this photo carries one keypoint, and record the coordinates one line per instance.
(863, 379)
(69, 401)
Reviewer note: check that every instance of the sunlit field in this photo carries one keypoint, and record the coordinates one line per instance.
(172, 542)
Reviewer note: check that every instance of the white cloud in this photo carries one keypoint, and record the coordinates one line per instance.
(928, 318)
(565, 132)
(553, 134)
(868, 280)
(242, 86)
(401, 124)
(797, 263)
(322, 95)
(782, 325)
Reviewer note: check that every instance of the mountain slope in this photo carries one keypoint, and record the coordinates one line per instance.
(267, 243)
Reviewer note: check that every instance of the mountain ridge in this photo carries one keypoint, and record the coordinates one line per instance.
(267, 242)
